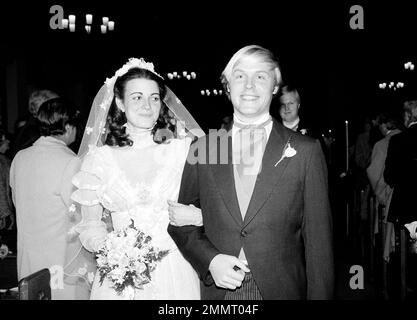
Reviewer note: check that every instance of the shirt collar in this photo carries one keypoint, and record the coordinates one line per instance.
(412, 123)
(291, 125)
(49, 140)
(264, 118)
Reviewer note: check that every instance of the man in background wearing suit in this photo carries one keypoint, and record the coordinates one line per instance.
(401, 168)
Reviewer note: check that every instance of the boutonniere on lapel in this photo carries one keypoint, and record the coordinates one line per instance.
(288, 152)
(303, 131)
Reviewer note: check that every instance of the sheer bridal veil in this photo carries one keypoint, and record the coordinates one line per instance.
(80, 264)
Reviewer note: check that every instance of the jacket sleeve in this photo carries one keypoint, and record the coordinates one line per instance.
(317, 228)
(191, 240)
(375, 169)
(391, 162)
(66, 186)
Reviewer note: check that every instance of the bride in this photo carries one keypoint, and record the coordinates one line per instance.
(131, 171)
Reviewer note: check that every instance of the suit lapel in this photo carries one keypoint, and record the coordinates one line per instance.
(224, 177)
(269, 175)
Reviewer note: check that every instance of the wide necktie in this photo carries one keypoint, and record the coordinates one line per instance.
(248, 148)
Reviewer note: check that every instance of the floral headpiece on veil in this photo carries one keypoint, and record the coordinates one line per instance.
(132, 63)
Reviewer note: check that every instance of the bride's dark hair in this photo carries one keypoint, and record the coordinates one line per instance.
(116, 118)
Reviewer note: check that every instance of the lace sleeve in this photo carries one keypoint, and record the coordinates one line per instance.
(88, 181)
(92, 230)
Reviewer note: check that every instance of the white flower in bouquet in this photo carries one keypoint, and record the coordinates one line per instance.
(114, 257)
(117, 275)
(127, 259)
(140, 267)
(133, 253)
(102, 260)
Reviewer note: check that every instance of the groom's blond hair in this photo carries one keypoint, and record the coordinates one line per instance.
(253, 50)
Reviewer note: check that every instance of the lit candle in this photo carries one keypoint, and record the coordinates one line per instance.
(65, 23)
(220, 92)
(105, 20)
(88, 29)
(193, 75)
(347, 146)
(184, 73)
(89, 18)
(203, 92)
(188, 77)
(103, 28)
(111, 25)
(215, 92)
(175, 73)
(170, 76)
(72, 27)
(330, 146)
(71, 19)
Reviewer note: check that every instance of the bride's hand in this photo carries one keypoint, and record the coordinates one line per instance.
(183, 215)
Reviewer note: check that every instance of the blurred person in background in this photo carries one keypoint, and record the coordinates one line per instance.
(40, 178)
(388, 126)
(7, 216)
(27, 130)
(401, 168)
(290, 103)
(401, 174)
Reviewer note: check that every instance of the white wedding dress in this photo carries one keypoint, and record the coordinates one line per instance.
(135, 183)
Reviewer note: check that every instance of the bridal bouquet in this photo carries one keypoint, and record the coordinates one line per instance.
(127, 259)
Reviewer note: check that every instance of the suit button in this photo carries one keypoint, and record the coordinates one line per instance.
(243, 233)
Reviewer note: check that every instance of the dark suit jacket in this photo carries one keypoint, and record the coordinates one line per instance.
(401, 175)
(287, 230)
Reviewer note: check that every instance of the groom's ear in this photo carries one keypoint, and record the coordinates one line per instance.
(120, 104)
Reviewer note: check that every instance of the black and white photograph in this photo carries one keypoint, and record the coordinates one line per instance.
(190, 152)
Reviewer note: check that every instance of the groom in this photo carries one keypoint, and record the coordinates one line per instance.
(267, 230)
